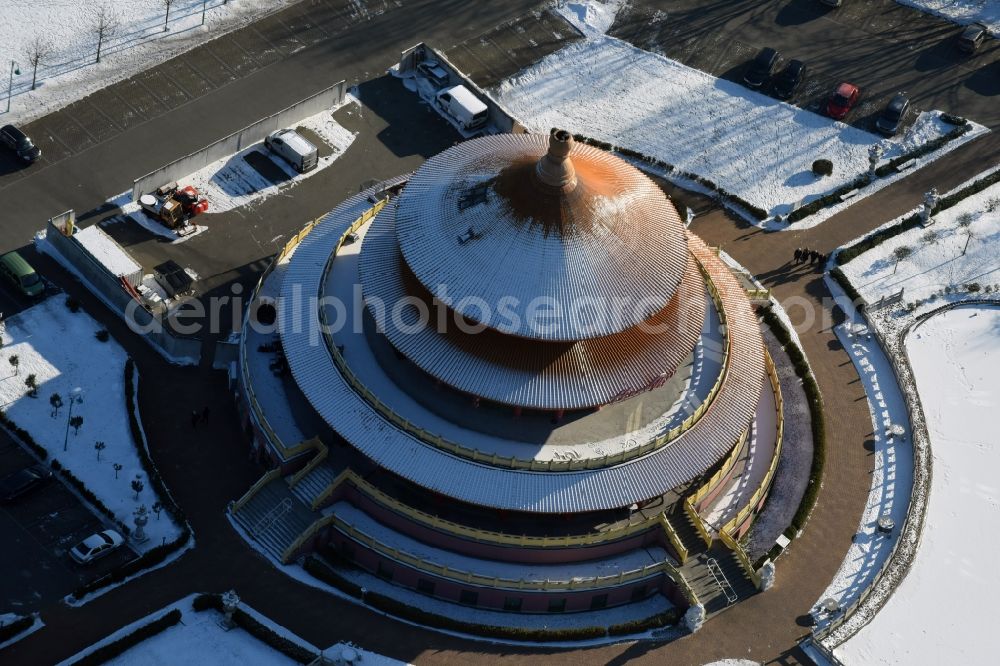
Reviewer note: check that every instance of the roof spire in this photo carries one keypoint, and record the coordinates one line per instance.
(555, 169)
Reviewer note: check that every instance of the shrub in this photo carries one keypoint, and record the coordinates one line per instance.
(11, 629)
(877, 238)
(953, 120)
(72, 304)
(204, 602)
(150, 558)
(266, 635)
(102, 335)
(665, 619)
(827, 199)
(139, 634)
(973, 287)
(924, 149)
(319, 569)
(845, 284)
(817, 418)
(822, 167)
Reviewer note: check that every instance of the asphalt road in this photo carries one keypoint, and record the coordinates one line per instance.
(879, 45)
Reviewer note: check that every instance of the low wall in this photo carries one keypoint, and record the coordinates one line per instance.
(237, 141)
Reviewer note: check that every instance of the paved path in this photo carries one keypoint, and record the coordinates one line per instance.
(208, 466)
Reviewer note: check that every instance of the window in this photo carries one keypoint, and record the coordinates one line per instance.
(598, 601)
(468, 597)
(639, 593)
(512, 604)
(557, 605)
(425, 586)
(384, 571)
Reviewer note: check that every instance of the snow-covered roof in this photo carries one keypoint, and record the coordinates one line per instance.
(107, 252)
(365, 428)
(481, 233)
(527, 373)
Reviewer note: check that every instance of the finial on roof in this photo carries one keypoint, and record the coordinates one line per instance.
(555, 169)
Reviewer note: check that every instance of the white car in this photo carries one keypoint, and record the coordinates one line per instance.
(96, 546)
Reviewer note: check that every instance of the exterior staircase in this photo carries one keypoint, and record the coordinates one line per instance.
(274, 517)
(315, 482)
(717, 578)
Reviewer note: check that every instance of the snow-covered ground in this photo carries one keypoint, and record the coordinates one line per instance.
(962, 11)
(958, 250)
(200, 634)
(60, 349)
(747, 143)
(69, 72)
(943, 610)
(892, 474)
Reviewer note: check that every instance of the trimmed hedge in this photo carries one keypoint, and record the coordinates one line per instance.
(913, 221)
(827, 199)
(817, 417)
(316, 567)
(88, 495)
(848, 288)
(8, 631)
(148, 466)
(257, 629)
(138, 635)
(724, 196)
(150, 558)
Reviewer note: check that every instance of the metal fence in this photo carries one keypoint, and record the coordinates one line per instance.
(237, 141)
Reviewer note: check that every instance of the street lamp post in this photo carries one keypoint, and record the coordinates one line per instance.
(75, 397)
(14, 69)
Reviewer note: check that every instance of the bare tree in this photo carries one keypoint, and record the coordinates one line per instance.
(965, 221)
(900, 253)
(166, 4)
(104, 24)
(36, 52)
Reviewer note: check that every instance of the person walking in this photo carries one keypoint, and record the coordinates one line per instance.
(798, 254)
(813, 257)
(194, 418)
(204, 414)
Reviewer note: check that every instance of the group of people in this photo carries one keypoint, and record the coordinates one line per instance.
(804, 254)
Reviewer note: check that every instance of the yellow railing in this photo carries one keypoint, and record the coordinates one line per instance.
(675, 540)
(308, 533)
(682, 583)
(699, 524)
(511, 462)
(758, 294)
(269, 476)
(741, 555)
(765, 485)
(321, 453)
(715, 479)
(442, 571)
(475, 534)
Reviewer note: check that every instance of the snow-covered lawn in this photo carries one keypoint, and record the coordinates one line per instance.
(199, 638)
(958, 250)
(69, 72)
(943, 611)
(60, 349)
(749, 144)
(892, 473)
(962, 11)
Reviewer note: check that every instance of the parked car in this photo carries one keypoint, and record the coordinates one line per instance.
(464, 107)
(434, 72)
(96, 546)
(20, 482)
(893, 114)
(19, 142)
(972, 37)
(760, 68)
(788, 80)
(21, 275)
(842, 100)
(294, 149)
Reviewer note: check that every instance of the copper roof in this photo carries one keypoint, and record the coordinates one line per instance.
(516, 371)
(502, 219)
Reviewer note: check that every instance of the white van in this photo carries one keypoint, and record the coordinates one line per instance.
(294, 148)
(463, 106)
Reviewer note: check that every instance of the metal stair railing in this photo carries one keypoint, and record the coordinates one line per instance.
(268, 519)
(720, 579)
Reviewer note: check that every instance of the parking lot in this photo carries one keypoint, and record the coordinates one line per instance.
(37, 529)
(879, 45)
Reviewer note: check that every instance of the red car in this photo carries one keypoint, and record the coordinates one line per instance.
(842, 100)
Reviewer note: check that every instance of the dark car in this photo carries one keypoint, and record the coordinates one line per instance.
(788, 80)
(972, 37)
(21, 481)
(842, 100)
(19, 142)
(759, 70)
(893, 114)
